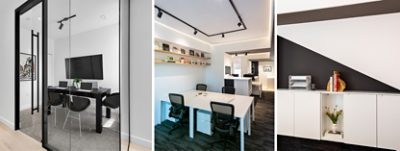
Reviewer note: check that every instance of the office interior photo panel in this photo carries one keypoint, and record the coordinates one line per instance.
(194, 75)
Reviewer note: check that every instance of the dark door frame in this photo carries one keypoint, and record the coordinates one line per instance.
(18, 12)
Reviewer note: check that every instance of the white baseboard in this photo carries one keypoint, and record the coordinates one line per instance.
(7, 122)
(138, 140)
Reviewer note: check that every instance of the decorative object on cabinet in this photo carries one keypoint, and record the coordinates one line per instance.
(334, 117)
(335, 83)
(183, 51)
(202, 55)
(300, 82)
(165, 47)
(191, 52)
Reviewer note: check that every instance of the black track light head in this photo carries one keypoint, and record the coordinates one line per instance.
(61, 26)
(235, 54)
(245, 54)
(223, 35)
(195, 32)
(159, 15)
(239, 24)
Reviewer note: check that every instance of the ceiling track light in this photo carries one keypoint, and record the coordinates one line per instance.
(61, 26)
(241, 24)
(159, 14)
(235, 54)
(245, 54)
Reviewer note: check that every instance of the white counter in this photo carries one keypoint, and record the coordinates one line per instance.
(243, 85)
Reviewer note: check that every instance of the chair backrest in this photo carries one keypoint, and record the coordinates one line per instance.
(55, 98)
(86, 85)
(229, 90)
(235, 75)
(176, 100)
(229, 83)
(222, 114)
(78, 103)
(63, 84)
(201, 87)
(113, 100)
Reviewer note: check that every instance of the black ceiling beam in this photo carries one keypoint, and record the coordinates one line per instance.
(204, 33)
(341, 12)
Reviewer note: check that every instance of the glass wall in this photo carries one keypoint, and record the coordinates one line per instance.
(83, 75)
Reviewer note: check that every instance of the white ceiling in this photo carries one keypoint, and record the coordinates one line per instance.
(90, 15)
(290, 6)
(215, 16)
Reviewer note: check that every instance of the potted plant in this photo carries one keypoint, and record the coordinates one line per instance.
(77, 82)
(334, 117)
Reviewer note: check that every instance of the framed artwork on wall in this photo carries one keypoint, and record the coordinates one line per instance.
(165, 47)
(267, 68)
(27, 66)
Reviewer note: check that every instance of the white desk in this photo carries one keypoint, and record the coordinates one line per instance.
(242, 108)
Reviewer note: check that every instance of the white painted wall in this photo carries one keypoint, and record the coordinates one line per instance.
(103, 41)
(141, 63)
(7, 48)
(228, 61)
(215, 73)
(367, 44)
(171, 78)
(266, 78)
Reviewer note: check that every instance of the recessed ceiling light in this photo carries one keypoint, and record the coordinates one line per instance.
(39, 18)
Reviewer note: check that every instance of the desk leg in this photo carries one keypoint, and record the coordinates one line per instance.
(108, 113)
(249, 123)
(99, 113)
(242, 134)
(191, 122)
(253, 116)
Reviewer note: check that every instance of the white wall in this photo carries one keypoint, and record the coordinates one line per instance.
(7, 49)
(141, 62)
(103, 41)
(266, 78)
(367, 44)
(171, 78)
(215, 72)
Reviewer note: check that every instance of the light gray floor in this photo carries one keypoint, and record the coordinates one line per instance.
(69, 138)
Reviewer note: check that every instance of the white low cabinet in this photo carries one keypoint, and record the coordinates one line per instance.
(389, 121)
(359, 119)
(285, 112)
(307, 115)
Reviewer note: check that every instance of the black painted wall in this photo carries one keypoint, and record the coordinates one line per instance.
(294, 59)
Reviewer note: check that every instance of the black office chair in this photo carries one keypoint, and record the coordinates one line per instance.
(63, 84)
(201, 87)
(235, 75)
(56, 99)
(176, 111)
(224, 122)
(86, 86)
(78, 104)
(229, 90)
(112, 101)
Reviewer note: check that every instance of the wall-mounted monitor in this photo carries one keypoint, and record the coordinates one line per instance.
(86, 67)
(228, 70)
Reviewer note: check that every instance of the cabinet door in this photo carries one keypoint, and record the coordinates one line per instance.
(307, 115)
(285, 112)
(359, 119)
(389, 121)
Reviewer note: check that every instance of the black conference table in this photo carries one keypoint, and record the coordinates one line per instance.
(98, 94)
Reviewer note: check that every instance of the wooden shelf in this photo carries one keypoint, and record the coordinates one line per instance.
(183, 55)
(177, 63)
